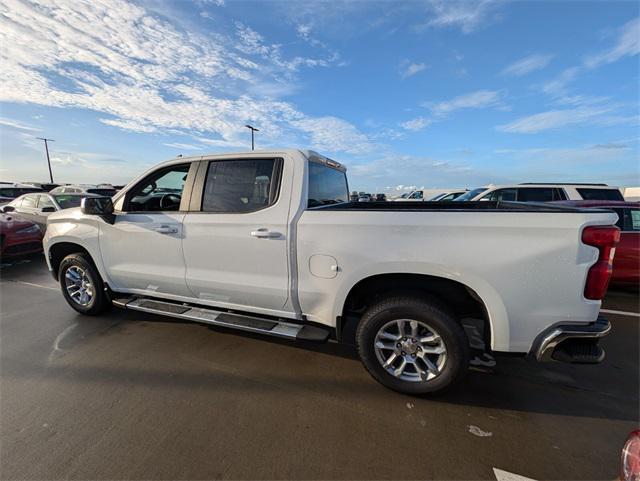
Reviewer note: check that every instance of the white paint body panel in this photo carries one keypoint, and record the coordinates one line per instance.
(137, 256)
(528, 268)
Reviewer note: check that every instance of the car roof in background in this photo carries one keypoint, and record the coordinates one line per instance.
(599, 203)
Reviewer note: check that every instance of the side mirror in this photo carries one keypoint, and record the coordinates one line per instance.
(8, 208)
(48, 209)
(101, 206)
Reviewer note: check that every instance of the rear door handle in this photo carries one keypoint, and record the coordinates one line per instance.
(263, 233)
(166, 229)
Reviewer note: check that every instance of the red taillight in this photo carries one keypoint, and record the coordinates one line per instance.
(605, 238)
(630, 462)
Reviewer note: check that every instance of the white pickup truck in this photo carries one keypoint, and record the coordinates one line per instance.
(268, 242)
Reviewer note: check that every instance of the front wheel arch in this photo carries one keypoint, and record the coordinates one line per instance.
(60, 250)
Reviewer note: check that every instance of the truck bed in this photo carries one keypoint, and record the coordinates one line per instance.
(399, 206)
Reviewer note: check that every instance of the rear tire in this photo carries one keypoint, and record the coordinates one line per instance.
(82, 286)
(412, 345)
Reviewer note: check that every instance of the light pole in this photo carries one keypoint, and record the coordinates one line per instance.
(46, 148)
(253, 129)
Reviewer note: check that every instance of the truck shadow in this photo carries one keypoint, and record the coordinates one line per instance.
(606, 391)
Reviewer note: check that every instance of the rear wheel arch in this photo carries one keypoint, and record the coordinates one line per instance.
(453, 296)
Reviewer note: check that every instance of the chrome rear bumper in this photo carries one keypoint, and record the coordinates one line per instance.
(580, 336)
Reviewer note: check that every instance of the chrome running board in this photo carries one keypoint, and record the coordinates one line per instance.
(270, 327)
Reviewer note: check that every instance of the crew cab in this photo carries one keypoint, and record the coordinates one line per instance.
(268, 242)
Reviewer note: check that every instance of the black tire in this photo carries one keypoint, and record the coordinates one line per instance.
(427, 312)
(99, 301)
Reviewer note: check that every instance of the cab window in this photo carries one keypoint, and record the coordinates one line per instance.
(326, 185)
(161, 191)
(416, 195)
(241, 186)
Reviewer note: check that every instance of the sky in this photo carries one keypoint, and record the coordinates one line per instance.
(406, 94)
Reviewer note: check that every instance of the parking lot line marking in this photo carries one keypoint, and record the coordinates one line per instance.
(33, 284)
(620, 313)
(507, 476)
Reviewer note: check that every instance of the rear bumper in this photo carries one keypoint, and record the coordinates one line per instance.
(571, 342)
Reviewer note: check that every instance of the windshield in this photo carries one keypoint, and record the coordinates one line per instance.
(68, 201)
(471, 194)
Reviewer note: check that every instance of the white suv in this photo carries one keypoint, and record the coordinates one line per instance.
(532, 192)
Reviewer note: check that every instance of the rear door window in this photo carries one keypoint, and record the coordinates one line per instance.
(506, 195)
(536, 194)
(29, 201)
(631, 220)
(241, 186)
(599, 194)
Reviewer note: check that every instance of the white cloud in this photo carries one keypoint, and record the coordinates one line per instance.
(4, 122)
(468, 15)
(412, 69)
(177, 145)
(144, 74)
(554, 119)
(474, 100)
(416, 124)
(627, 45)
(527, 64)
(332, 134)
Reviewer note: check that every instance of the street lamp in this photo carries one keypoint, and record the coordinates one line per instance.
(46, 148)
(253, 129)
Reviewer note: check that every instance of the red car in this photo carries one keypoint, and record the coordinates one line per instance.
(626, 263)
(18, 236)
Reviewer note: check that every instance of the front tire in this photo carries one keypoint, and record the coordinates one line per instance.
(82, 286)
(412, 345)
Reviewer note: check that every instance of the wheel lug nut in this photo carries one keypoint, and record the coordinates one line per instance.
(404, 353)
(398, 345)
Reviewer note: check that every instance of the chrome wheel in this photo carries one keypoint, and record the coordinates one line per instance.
(410, 350)
(79, 285)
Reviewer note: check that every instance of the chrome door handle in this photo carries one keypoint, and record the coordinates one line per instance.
(263, 233)
(165, 229)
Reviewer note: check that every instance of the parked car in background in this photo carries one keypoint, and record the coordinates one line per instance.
(533, 192)
(364, 197)
(353, 197)
(106, 190)
(18, 236)
(448, 196)
(36, 207)
(380, 197)
(8, 192)
(626, 262)
(413, 196)
(46, 186)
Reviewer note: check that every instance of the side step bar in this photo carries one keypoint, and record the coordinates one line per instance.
(241, 322)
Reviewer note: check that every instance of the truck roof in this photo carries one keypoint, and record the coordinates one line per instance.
(309, 154)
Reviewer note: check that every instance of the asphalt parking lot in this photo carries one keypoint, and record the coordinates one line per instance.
(134, 396)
